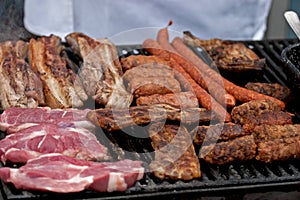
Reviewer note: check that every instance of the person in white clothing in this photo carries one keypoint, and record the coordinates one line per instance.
(133, 20)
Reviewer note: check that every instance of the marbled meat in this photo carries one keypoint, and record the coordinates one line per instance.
(45, 138)
(16, 119)
(63, 174)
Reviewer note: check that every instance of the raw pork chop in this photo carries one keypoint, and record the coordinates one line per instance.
(49, 138)
(62, 174)
(15, 118)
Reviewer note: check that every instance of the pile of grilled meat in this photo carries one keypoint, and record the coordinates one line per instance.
(184, 104)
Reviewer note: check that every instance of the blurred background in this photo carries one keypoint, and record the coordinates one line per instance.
(11, 24)
(277, 26)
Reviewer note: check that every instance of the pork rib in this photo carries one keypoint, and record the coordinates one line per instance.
(101, 72)
(62, 174)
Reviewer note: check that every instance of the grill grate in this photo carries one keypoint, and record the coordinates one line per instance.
(251, 175)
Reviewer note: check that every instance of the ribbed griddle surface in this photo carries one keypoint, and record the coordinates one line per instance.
(236, 177)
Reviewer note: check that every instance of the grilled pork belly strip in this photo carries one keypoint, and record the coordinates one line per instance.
(117, 119)
(239, 149)
(101, 72)
(217, 133)
(19, 85)
(175, 156)
(44, 57)
(178, 100)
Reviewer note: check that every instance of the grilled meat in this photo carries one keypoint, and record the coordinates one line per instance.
(227, 55)
(175, 156)
(253, 108)
(255, 113)
(141, 115)
(268, 117)
(271, 89)
(178, 100)
(278, 149)
(216, 133)
(101, 72)
(149, 70)
(271, 132)
(239, 149)
(57, 79)
(149, 79)
(145, 86)
(136, 60)
(19, 85)
(277, 142)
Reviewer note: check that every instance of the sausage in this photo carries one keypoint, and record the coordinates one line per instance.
(163, 38)
(203, 97)
(154, 48)
(240, 93)
(215, 89)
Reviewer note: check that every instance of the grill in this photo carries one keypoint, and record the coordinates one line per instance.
(236, 178)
